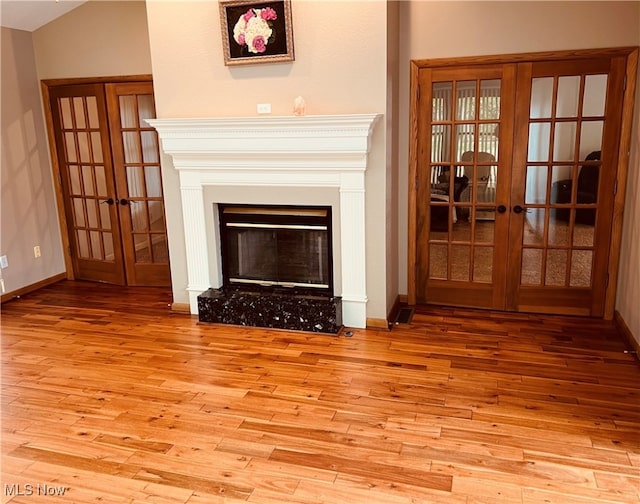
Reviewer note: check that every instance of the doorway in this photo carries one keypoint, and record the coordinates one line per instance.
(517, 167)
(107, 165)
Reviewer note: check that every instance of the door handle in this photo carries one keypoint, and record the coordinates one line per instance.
(518, 209)
(124, 201)
(108, 201)
(501, 209)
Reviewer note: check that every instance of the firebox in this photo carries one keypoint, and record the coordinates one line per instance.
(277, 246)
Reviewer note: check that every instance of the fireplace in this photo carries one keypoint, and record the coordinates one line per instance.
(287, 153)
(277, 246)
(277, 269)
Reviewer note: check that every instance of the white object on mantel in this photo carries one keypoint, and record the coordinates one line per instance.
(310, 151)
(299, 106)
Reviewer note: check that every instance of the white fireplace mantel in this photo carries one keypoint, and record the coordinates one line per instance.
(307, 151)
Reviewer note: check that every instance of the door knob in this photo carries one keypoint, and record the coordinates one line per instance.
(501, 209)
(124, 201)
(108, 201)
(518, 209)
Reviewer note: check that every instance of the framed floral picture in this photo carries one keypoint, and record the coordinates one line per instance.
(256, 32)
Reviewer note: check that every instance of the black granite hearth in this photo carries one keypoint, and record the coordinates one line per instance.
(279, 309)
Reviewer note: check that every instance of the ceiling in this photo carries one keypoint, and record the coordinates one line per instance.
(29, 15)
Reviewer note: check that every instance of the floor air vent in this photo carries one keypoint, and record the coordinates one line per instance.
(404, 316)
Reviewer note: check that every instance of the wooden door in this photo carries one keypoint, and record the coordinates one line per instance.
(463, 184)
(136, 156)
(537, 143)
(564, 179)
(86, 171)
(111, 185)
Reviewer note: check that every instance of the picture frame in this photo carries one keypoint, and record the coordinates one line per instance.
(267, 23)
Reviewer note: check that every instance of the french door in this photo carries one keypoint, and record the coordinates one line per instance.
(109, 165)
(515, 169)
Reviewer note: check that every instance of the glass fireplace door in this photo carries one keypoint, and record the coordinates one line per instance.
(276, 247)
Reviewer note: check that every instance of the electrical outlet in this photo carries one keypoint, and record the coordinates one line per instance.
(4, 263)
(36, 251)
(264, 108)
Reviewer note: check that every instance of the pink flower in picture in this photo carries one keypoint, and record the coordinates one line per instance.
(248, 15)
(259, 44)
(268, 14)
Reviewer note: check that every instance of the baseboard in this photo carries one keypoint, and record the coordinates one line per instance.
(622, 326)
(181, 308)
(32, 288)
(377, 323)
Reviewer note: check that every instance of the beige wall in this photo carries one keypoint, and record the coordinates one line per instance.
(339, 68)
(334, 69)
(448, 29)
(97, 39)
(28, 206)
(393, 127)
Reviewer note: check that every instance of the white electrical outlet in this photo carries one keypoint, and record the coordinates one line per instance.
(4, 263)
(264, 108)
(36, 251)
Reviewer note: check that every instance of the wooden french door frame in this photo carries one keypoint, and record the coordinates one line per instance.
(48, 88)
(627, 57)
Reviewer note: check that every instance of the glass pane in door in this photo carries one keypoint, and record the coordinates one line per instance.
(568, 94)
(84, 170)
(463, 179)
(595, 89)
(143, 178)
(566, 126)
(541, 97)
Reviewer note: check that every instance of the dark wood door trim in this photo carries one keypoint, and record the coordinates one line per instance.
(57, 180)
(96, 80)
(630, 62)
(586, 54)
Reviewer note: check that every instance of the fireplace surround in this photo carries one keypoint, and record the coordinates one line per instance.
(277, 152)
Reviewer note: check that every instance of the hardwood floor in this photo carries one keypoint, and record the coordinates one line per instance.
(109, 397)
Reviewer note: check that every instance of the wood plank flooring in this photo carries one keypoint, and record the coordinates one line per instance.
(109, 397)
